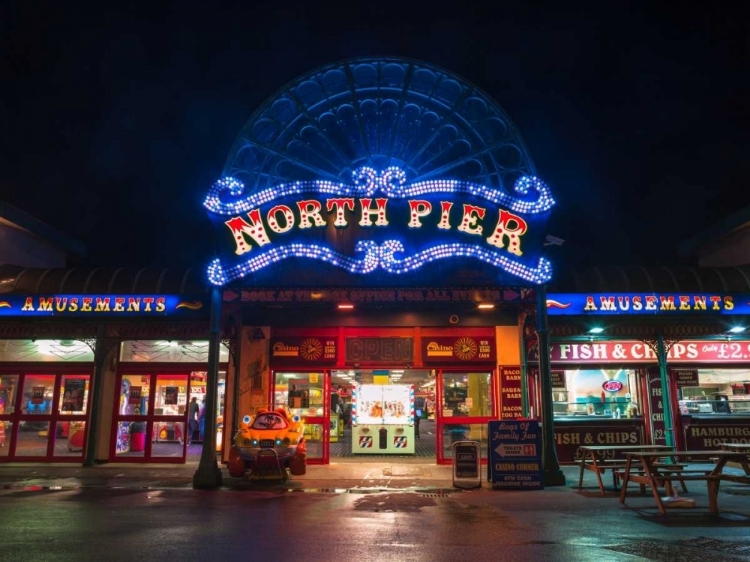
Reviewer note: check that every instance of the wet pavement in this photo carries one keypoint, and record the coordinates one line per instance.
(395, 510)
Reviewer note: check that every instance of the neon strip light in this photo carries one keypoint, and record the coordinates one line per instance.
(379, 257)
(391, 182)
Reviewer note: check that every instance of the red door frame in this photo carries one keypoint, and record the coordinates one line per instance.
(441, 421)
(54, 417)
(154, 370)
(324, 421)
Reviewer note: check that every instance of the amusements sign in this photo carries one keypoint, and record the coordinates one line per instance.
(511, 406)
(515, 455)
(464, 349)
(103, 305)
(303, 350)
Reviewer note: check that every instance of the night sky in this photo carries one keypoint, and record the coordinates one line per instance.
(114, 123)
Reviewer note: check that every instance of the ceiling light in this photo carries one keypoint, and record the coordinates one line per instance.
(486, 305)
(737, 329)
(346, 306)
(596, 330)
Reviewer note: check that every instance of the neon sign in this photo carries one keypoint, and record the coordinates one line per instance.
(101, 305)
(608, 304)
(275, 224)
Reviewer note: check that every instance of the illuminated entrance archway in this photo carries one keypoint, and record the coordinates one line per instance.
(370, 179)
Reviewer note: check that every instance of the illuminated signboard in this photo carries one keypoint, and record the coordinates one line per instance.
(101, 305)
(402, 225)
(625, 352)
(591, 304)
(379, 172)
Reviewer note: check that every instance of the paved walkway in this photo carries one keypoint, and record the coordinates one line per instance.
(343, 475)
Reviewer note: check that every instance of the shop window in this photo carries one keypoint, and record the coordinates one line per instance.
(165, 351)
(45, 351)
(8, 389)
(466, 394)
(611, 393)
(719, 392)
(302, 392)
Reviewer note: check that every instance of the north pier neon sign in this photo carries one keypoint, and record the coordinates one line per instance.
(490, 225)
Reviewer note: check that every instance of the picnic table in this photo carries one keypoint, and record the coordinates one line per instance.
(598, 458)
(652, 474)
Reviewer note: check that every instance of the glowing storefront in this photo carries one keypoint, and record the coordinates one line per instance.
(379, 226)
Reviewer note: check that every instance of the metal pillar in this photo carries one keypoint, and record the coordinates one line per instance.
(524, 377)
(665, 394)
(208, 475)
(553, 476)
(97, 383)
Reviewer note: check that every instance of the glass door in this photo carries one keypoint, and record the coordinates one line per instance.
(8, 395)
(308, 395)
(464, 408)
(170, 433)
(131, 420)
(47, 419)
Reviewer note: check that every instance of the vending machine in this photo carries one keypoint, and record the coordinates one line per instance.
(383, 419)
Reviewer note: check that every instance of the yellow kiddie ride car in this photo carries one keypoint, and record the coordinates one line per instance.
(270, 442)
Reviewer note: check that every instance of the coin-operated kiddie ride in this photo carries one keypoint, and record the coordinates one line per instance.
(270, 445)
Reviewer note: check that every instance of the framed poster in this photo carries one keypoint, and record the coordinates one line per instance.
(170, 395)
(134, 397)
(73, 395)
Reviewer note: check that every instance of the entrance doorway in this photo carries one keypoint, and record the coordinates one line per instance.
(43, 415)
(152, 416)
(376, 413)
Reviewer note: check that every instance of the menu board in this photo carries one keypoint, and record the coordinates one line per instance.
(383, 404)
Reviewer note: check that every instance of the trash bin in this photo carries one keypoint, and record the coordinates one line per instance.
(466, 464)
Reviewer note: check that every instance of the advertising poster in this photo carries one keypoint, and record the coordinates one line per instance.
(515, 455)
(73, 395)
(170, 395)
(4, 400)
(134, 398)
(383, 404)
(37, 395)
(299, 393)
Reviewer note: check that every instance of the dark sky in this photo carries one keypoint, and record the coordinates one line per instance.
(114, 122)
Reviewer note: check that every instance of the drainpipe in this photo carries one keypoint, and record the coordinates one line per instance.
(553, 476)
(208, 475)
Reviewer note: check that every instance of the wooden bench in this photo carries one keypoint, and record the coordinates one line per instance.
(654, 474)
(667, 471)
(591, 459)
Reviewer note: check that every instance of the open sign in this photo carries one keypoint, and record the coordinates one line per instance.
(612, 386)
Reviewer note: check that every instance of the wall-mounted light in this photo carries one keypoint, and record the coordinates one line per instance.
(596, 330)
(486, 306)
(345, 306)
(258, 334)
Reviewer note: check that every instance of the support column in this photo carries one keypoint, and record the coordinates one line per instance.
(553, 476)
(208, 475)
(97, 382)
(665, 395)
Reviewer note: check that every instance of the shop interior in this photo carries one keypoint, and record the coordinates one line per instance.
(604, 393)
(719, 392)
(389, 411)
